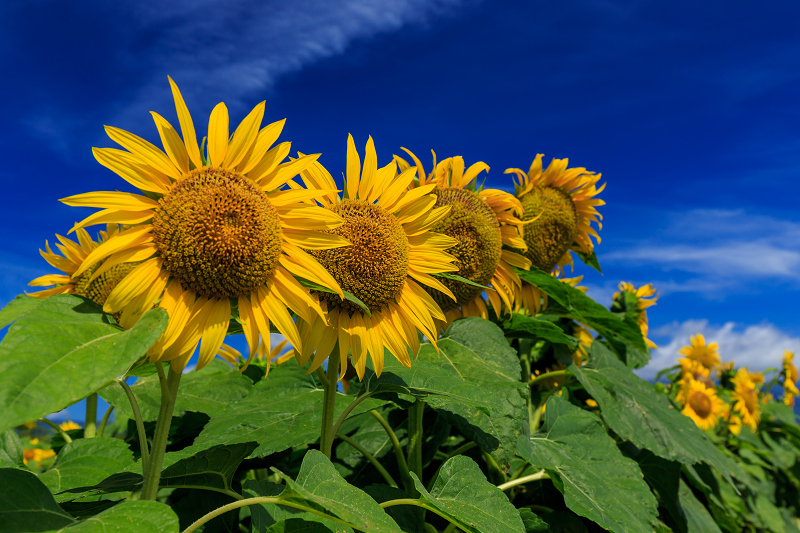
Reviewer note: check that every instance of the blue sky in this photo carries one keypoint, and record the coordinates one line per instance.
(689, 110)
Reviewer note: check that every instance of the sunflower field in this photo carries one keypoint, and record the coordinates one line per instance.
(442, 369)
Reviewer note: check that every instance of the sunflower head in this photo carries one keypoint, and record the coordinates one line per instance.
(634, 303)
(706, 355)
(790, 377)
(559, 207)
(702, 404)
(745, 395)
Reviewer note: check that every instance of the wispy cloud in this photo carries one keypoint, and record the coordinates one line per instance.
(757, 346)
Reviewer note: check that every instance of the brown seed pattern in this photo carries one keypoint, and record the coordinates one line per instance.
(550, 236)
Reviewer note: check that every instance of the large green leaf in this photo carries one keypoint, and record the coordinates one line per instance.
(462, 494)
(531, 327)
(212, 468)
(636, 412)
(410, 518)
(698, 519)
(532, 523)
(597, 481)
(623, 332)
(26, 505)
(664, 476)
(298, 525)
(208, 391)
(11, 455)
(63, 350)
(475, 352)
(129, 517)
(267, 516)
(320, 485)
(85, 462)
(17, 308)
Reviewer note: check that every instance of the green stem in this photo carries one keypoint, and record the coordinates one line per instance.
(349, 410)
(90, 422)
(321, 376)
(492, 464)
(527, 479)
(417, 503)
(104, 421)
(546, 375)
(329, 403)
(259, 500)
(458, 451)
(450, 528)
(169, 393)
(137, 415)
(537, 415)
(55, 426)
(415, 413)
(371, 458)
(398, 451)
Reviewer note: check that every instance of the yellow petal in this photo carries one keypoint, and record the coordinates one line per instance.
(111, 200)
(187, 126)
(218, 135)
(309, 218)
(266, 137)
(244, 137)
(135, 283)
(144, 302)
(369, 170)
(173, 145)
(269, 162)
(294, 196)
(416, 209)
(249, 326)
(305, 266)
(353, 168)
(314, 240)
(295, 296)
(214, 330)
(50, 279)
(280, 317)
(420, 171)
(133, 254)
(136, 174)
(147, 152)
(286, 171)
(375, 342)
(129, 238)
(472, 172)
(114, 216)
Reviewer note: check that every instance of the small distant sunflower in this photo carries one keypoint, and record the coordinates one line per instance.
(559, 206)
(706, 355)
(692, 370)
(483, 221)
(393, 254)
(734, 421)
(636, 301)
(585, 339)
(790, 377)
(745, 396)
(95, 283)
(702, 404)
(212, 234)
(69, 425)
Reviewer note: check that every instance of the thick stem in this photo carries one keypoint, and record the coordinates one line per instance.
(408, 483)
(169, 393)
(255, 501)
(527, 479)
(90, 422)
(348, 410)
(415, 413)
(137, 416)
(371, 458)
(329, 403)
(104, 421)
(55, 426)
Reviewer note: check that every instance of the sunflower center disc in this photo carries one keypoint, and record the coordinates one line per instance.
(751, 400)
(217, 233)
(700, 403)
(475, 226)
(550, 236)
(375, 267)
(99, 289)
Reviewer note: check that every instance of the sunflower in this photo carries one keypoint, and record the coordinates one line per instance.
(636, 301)
(790, 377)
(706, 355)
(585, 339)
(702, 404)
(559, 206)
(95, 283)
(214, 234)
(483, 221)
(692, 370)
(745, 398)
(393, 256)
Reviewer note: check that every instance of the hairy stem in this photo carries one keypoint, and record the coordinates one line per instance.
(418, 503)
(415, 437)
(527, 479)
(55, 426)
(329, 403)
(104, 421)
(371, 458)
(349, 410)
(137, 416)
(546, 375)
(408, 483)
(169, 393)
(90, 422)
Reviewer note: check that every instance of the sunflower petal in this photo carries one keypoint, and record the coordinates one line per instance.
(218, 135)
(173, 145)
(111, 200)
(135, 283)
(214, 330)
(132, 237)
(120, 163)
(147, 152)
(244, 137)
(353, 168)
(187, 126)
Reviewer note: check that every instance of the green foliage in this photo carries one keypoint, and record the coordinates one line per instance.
(11, 454)
(27, 505)
(86, 462)
(62, 350)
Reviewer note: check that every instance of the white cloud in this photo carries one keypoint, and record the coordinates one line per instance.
(755, 346)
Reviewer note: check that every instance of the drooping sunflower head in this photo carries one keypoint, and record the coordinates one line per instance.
(790, 377)
(559, 206)
(692, 370)
(214, 228)
(634, 302)
(745, 396)
(394, 253)
(95, 283)
(706, 355)
(482, 221)
(701, 404)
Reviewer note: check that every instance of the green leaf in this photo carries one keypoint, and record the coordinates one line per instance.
(474, 351)
(212, 468)
(26, 505)
(129, 517)
(86, 509)
(120, 482)
(347, 295)
(17, 308)
(319, 484)
(636, 412)
(85, 462)
(664, 476)
(623, 332)
(11, 455)
(410, 518)
(265, 516)
(298, 525)
(208, 390)
(532, 523)
(597, 481)
(460, 279)
(589, 260)
(63, 350)
(698, 519)
(462, 494)
(531, 327)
